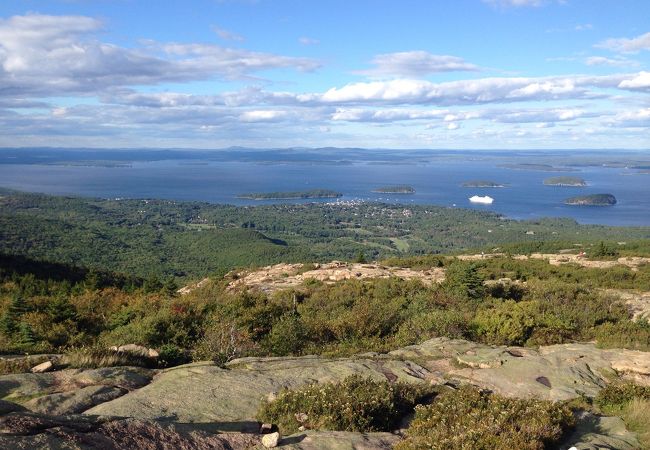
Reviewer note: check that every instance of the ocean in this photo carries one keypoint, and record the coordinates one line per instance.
(437, 179)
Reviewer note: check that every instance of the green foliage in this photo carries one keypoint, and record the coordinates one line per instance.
(603, 250)
(354, 404)
(287, 337)
(464, 279)
(509, 323)
(192, 239)
(469, 418)
(631, 402)
(626, 334)
(615, 395)
(171, 355)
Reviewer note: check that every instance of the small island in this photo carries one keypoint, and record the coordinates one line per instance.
(482, 184)
(397, 189)
(565, 182)
(591, 200)
(313, 193)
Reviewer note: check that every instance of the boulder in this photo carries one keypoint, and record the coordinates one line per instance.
(74, 402)
(271, 440)
(43, 367)
(136, 349)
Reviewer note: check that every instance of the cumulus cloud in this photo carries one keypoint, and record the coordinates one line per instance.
(641, 82)
(631, 119)
(51, 55)
(415, 64)
(625, 45)
(263, 116)
(465, 92)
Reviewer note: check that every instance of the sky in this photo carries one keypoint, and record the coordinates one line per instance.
(465, 74)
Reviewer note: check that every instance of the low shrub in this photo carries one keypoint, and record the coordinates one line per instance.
(354, 404)
(170, 355)
(472, 419)
(624, 334)
(631, 402)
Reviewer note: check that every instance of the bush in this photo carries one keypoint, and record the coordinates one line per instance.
(222, 342)
(472, 419)
(287, 336)
(632, 403)
(354, 404)
(616, 395)
(624, 334)
(509, 323)
(170, 355)
(445, 323)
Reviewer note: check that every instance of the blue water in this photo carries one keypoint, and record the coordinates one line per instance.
(436, 182)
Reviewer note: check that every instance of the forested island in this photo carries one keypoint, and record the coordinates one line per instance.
(482, 184)
(313, 193)
(592, 200)
(537, 167)
(397, 189)
(565, 181)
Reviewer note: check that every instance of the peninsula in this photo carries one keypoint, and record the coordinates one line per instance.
(591, 200)
(482, 184)
(313, 193)
(565, 182)
(396, 189)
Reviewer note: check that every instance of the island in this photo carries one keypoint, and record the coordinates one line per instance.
(591, 200)
(397, 189)
(313, 193)
(482, 184)
(538, 167)
(565, 181)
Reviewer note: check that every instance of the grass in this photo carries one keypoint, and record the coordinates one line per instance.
(96, 357)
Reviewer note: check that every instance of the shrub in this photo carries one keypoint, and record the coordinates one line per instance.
(472, 419)
(354, 404)
(170, 355)
(509, 323)
(624, 334)
(223, 341)
(616, 395)
(463, 279)
(287, 336)
(445, 323)
(632, 403)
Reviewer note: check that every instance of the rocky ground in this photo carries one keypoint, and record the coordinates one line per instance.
(202, 405)
(283, 276)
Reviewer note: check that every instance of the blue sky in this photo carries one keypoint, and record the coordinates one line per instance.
(399, 74)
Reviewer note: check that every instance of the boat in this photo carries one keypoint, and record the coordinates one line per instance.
(486, 200)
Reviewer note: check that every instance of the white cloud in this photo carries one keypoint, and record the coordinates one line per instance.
(263, 116)
(415, 64)
(625, 45)
(453, 126)
(617, 61)
(227, 35)
(44, 55)
(465, 92)
(640, 82)
(631, 119)
(385, 115)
